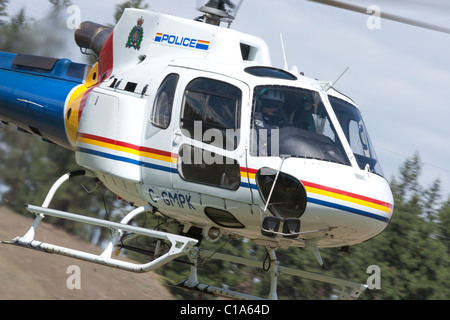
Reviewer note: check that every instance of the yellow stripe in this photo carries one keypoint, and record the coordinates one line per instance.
(348, 199)
(73, 109)
(92, 77)
(250, 175)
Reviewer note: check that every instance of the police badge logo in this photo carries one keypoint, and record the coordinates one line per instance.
(136, 35)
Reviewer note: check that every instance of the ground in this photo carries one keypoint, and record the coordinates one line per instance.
(31, 275)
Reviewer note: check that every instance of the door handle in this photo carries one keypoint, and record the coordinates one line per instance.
(176, 138)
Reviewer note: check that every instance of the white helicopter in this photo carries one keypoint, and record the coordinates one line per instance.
(189, 120)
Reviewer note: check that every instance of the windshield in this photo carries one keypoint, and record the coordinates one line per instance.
(355, 131)
(293, 122)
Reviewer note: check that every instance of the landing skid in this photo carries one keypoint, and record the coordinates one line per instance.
(349, 290)
(179, 246)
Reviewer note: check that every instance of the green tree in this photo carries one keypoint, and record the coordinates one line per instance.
(443, 232)
(120, 8)
(3, 7)
(412, 261)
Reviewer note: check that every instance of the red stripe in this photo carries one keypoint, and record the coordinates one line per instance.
(345, 193)
(253, 171)
(128, 145)
(341, 192)
(106, 60)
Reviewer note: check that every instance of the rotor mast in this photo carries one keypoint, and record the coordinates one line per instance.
(217, 11)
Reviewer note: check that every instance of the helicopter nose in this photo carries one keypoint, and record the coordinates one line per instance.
(285, 197)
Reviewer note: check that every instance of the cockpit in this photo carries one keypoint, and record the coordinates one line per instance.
(295, 122)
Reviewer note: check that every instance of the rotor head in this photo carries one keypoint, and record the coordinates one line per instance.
(217, 11)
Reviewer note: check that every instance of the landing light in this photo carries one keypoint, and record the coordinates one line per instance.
(212, 234)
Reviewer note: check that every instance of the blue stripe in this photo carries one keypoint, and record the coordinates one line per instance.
(246, 185)
(348, 209)
(202, 46)
(143, 164)
(127, 160)
(243, 184)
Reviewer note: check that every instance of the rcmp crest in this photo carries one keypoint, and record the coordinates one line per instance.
(136, 35)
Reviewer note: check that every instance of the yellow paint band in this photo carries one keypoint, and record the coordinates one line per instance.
(348, 199)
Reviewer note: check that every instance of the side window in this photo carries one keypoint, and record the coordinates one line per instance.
(205, 167)
(162, 109)
(213, 108)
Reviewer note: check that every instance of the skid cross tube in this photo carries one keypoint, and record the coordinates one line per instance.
(180, 245)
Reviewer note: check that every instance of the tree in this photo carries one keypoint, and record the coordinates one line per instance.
(120, 8)
(413, 262)
(3, 7)
(443, 231)
(409, 178)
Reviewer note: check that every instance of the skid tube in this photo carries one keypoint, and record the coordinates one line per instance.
(349, 290)
(180, 245)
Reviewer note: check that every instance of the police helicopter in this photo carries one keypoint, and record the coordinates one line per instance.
(189, 120)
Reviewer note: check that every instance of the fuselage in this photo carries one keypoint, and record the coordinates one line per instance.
(177, 122)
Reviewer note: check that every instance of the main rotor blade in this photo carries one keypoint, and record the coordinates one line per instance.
(387, 16)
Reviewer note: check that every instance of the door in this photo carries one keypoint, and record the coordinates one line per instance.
(209, 140)
(156, 152)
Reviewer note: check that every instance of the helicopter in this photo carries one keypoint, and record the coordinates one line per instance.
(189, 120)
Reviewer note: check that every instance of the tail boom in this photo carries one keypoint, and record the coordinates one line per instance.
(35, 92)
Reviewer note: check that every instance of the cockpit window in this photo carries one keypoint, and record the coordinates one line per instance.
(355, 131)
(293, 122)
(269, 72)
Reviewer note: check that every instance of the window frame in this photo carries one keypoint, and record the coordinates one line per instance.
(209, 94)
(154, 119)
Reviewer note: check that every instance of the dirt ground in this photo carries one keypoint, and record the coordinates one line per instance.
(31, 275)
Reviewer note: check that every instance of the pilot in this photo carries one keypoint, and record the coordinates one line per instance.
(269, 104)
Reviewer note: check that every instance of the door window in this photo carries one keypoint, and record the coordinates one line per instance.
(211, 113)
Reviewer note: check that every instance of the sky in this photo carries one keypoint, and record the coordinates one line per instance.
(399, 75)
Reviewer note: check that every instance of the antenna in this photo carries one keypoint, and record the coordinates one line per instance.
(340, 76)
(284, 53)
(327, 85)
